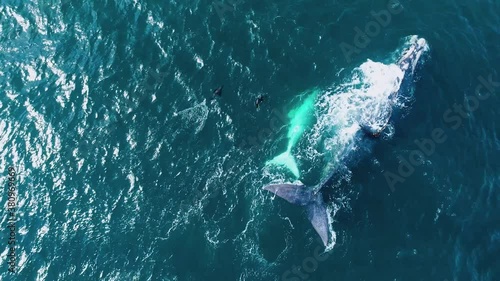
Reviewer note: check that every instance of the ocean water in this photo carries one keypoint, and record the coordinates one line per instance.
(128, 168)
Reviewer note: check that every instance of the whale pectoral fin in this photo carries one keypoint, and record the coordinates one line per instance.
(318, 216)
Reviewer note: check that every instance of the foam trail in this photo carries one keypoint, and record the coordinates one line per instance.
(300, 119)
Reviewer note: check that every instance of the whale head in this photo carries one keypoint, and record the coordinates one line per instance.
(377, 117)
(412, 54)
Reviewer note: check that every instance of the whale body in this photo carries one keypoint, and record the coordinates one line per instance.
(370, 126)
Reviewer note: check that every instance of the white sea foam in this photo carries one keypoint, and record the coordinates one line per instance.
(199, 61)
(364, 99)
(194, 117)
(42, 272)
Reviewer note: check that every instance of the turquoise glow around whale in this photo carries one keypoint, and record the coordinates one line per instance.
(300, 118)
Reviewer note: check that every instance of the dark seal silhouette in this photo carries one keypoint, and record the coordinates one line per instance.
(259, 100)
(218, 91)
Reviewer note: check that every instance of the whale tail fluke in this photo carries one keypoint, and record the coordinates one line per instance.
(311, 199)
(286, 159)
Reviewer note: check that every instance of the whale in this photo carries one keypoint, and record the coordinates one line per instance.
(363, 140)
(300, 118)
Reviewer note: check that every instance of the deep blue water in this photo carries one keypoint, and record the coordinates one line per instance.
(130, 169)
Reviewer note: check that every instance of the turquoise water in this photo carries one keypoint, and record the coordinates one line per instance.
(129, 169)
(300, 118)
